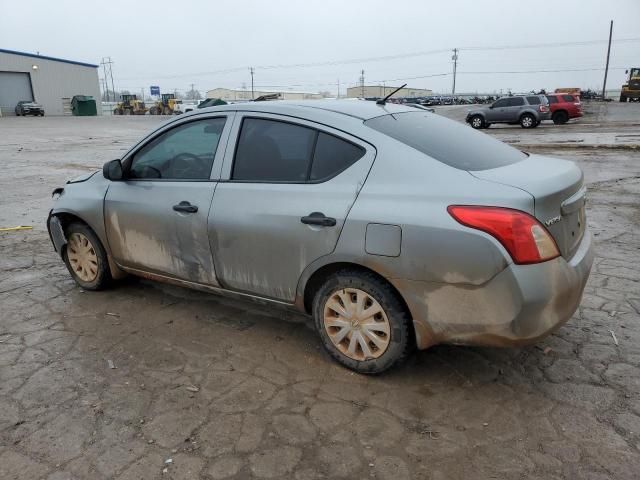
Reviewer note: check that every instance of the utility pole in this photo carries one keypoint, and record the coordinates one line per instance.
(606, 68)
(455, 69)
(107, 61)
(252, 93)
(104, 63)
(362, 83)
(104, 89)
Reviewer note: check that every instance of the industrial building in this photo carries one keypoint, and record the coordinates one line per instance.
(227, 94)
(378, 91)
(50, 81)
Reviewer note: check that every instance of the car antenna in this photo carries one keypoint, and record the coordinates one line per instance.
(382, 101)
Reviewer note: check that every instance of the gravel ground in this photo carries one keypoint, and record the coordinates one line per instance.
(205, 387)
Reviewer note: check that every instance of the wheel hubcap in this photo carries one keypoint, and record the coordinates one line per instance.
(82, 257)
(526, 121)
(356, 324)
(476, 122)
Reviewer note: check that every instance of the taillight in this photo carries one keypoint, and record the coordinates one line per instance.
(543, 108)
(526, 240)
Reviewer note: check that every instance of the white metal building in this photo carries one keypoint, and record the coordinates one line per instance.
(375, 91)
(227, 94)
(49, 81)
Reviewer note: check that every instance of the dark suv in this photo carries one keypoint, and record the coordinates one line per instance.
(527, 110)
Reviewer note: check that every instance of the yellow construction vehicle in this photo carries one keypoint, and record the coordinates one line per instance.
(631, 90)
(130, 105)
(165, 106)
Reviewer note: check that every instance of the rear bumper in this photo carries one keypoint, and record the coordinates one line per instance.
(519, 306)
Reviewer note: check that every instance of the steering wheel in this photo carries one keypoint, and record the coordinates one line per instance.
(185, 165)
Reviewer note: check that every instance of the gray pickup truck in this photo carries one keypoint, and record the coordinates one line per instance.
(527, 110)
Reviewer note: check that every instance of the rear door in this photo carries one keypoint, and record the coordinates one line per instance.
(514, 109)
(289, 185)
(156, 219)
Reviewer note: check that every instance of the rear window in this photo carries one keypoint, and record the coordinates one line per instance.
(447, 141)
(533, 100)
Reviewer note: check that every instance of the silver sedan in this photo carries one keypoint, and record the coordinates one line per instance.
(393, 228)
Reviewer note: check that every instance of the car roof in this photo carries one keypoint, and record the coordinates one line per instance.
(360, 109)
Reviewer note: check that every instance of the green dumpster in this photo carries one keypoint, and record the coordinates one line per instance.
(83, 106)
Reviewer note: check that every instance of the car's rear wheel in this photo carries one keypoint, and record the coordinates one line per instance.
(528, 121)
(476, 122)
(86, 258)
(560, 117)
(362, 322)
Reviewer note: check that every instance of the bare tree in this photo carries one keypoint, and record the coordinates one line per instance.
(192, 95)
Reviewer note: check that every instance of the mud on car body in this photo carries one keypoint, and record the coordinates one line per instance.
(393, 228)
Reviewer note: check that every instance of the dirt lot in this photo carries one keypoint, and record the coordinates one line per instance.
(210, 388)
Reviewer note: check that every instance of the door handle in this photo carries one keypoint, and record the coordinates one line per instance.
(318, 218)
(186, 207)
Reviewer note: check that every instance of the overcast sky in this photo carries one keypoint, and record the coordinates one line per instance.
(174, 44)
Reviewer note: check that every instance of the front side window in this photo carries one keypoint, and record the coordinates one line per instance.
(552, 99)
(183, 153)
(503, 102)
(275, 151)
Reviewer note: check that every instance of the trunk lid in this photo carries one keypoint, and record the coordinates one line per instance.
(557, 187)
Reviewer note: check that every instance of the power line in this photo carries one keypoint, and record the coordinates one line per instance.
(395, 57)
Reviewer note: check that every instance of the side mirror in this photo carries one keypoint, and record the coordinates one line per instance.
(112, 170)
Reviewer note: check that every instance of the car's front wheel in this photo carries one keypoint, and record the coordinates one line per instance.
(86, 258)
(476, 122)
(362, 322)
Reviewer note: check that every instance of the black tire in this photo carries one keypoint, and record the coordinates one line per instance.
(528, 121)
(623, 98)
(401, 341)
(487, 125)
(103, 274)
(476, 122)
(560, 117)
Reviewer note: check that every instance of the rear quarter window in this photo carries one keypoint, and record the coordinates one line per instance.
(533, 100)
(568, 98)
(447, 141)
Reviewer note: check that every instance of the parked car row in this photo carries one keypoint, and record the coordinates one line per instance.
(527, 110)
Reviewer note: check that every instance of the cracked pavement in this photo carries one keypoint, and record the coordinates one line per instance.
(226, 389)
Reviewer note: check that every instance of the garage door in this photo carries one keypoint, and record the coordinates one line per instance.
(14, 86)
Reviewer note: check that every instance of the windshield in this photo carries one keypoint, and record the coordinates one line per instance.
(447, 141)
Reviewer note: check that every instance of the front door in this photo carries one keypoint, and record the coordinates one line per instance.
(156, 219)
(288, 189)
(498, 111)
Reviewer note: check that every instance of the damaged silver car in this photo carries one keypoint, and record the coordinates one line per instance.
(393, 228)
